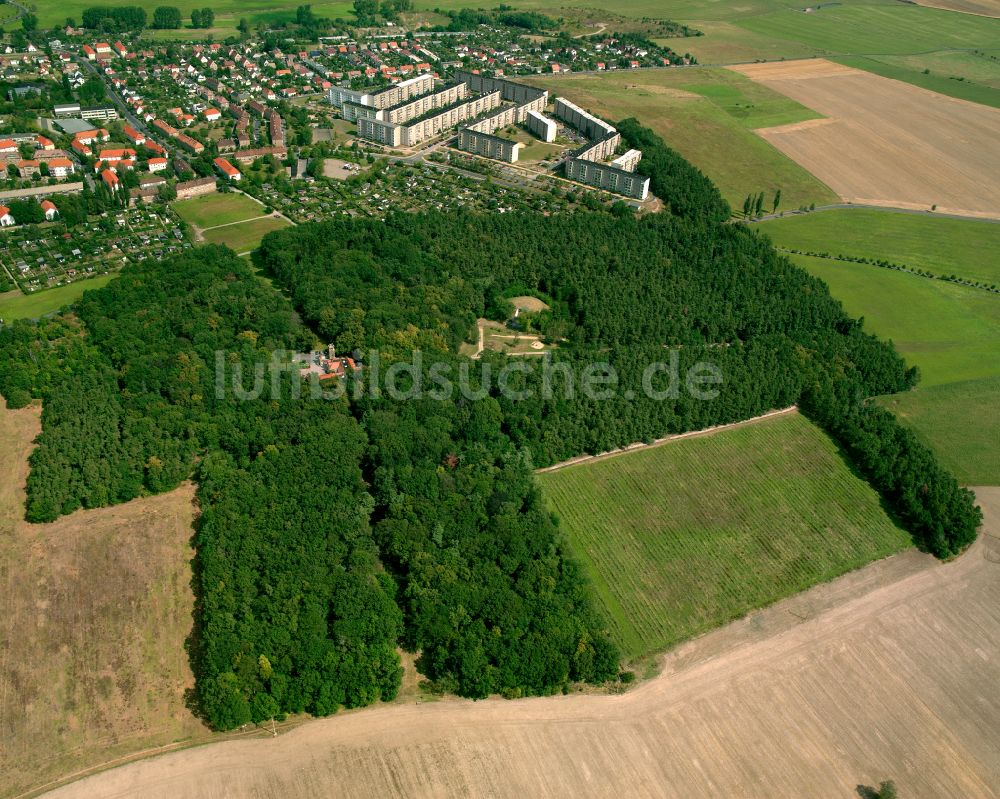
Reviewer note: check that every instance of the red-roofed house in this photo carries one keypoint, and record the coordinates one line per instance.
(90, 136)
(51, 212)
(133, 135)
(212, 114)
(116, 155)
(227, 169)
(111, 179)
(89, 52)
(121, 49)
(8, 146)
(6, 220)
(61, 167)
(102, 47)
(27, 168)
(44, 144)
(157, 164)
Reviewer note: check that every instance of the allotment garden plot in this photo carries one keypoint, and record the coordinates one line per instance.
(39, 259)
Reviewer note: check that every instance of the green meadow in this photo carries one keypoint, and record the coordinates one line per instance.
(951, 332)
(15, 305)
(941, 245)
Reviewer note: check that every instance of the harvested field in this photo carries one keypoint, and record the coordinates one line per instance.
(889, 672)
(94, 614)
(889, 143)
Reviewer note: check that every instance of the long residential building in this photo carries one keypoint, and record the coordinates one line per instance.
(488, 145)
(423, 128)
(543, 127)
(589, 125)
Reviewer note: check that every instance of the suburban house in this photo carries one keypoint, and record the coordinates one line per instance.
(6, 220)
(227, 169)
(156, 164)
(61, 167)
(51, 212)
(110, 179)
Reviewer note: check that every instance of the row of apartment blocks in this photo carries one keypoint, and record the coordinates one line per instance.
(590, 164)
(409, 112)
(435, 121)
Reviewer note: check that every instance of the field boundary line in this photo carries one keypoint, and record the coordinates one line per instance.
(636, 447)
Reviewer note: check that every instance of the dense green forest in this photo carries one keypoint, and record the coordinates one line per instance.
(333, 530)
(295, 610)
(628, 292)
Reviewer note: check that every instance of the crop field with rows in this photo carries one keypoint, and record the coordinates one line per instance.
(682, 537)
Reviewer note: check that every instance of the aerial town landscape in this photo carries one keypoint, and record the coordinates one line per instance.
(449, 398)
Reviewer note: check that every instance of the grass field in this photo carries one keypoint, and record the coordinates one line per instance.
(708, 115)
(940, 245)
(94, 612)
(217, 209)
(960, 421)
(244, 236)
(15, 305)
(685, 536)
(953, 334)
(227, 12)
(875, 28)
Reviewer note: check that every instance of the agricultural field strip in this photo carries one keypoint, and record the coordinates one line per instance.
(877, 673)
(650, 600)
(931, 150)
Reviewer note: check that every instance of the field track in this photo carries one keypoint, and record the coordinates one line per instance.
(887, 142)
(983, 8)
(889, 672)
(676, 437)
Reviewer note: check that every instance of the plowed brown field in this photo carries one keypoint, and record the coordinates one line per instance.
(886, 142)
(890, 672)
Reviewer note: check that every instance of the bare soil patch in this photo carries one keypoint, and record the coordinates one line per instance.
(887, 142)
(889, 672)
(337, 169)
(94, 612)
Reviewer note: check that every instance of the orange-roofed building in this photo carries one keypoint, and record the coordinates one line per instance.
(133, 135)
(114, 155)
(111, 179)
(227, 169)
(50, 210)
(61, 167)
